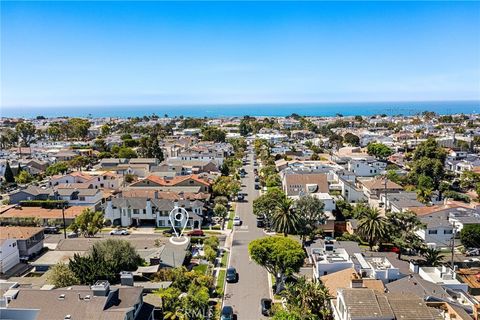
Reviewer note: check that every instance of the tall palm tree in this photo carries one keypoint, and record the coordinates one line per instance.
(285, 219)
(372, 227)
(308, 298)
(433, 257)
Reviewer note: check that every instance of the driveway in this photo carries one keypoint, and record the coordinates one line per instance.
(244, 296)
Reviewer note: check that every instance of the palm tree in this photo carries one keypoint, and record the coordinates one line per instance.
(424, 195)
(372, 227)
(433, 257)
(307, 297)
(285, 219)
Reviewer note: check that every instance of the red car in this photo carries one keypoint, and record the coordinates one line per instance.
(196, 233)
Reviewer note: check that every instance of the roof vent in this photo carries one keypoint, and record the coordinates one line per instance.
(61, 297)
(67, 317)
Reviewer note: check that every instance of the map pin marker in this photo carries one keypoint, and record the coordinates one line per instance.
(178, 216)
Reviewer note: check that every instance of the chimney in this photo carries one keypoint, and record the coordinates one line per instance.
(356, 281)
(101, 288)
(126, 278)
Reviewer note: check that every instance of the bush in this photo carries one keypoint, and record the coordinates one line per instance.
(457, 196)
(470, 236)
(213, 242)
(210, 253)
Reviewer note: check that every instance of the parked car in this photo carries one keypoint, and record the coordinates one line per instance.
(266, 305)
(72, 234)
(196, 233)
(257, 186)
(227, 313)
(472, 252)
(232, 275)
(257, 179)
(237, 221)
(119, 232)
(50, 230)
(240, 197)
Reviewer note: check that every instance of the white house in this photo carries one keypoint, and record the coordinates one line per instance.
(378, 268)
(366, 167)
(438, 232)
(443, 276)
(329, 259)
(144, 211)
(9, 254)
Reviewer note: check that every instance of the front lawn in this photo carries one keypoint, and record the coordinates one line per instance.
(201, 268)
(221, 281)
(224, 259)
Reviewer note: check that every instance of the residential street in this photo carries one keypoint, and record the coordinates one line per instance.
(244, 296)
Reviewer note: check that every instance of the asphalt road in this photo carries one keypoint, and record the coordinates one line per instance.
(244, 296)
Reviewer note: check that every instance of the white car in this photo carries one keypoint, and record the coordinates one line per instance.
(237, 221)
(119, 232)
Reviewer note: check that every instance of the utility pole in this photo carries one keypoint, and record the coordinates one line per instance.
(64, 224)
(385, 186)
(453, 245)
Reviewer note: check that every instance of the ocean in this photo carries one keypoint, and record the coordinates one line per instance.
(230, 110)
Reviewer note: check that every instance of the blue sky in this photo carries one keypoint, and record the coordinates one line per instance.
(124, 53)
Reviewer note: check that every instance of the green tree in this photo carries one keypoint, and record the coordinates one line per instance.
(8, 138)
(424, 195)
(285, 219)
(23, 177)
(308, 298)
(8, 175)
(226, 186)
(119, 254)
(127, 153)
(56, 168)
(76, 128)
(266, 204)
(91, 267)
(79, 162)
(470, 236)
(196, 302)
(61, 276)
(287, 315)
(429, 149)
(280, 256)
(54, 131)
(88, 223)
(310, 211)
(213, 134)
(26, 132)
(220, 211)
(221, 200)
(351, 139)
(469, 180)
(150, 148)
(433, 257)
(379, 150)
(100, 145)
(372, 227)
(402, 230)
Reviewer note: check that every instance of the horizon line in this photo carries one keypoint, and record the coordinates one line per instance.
(6, 107)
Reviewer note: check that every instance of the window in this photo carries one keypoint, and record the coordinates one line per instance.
(432, 231)
(82, 198)
(144, 211)
(447, 231)
(135, 211)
